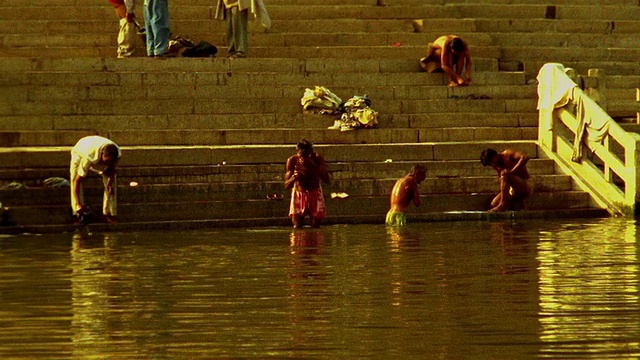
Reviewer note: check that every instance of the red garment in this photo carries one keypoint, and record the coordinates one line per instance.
(308, 203)
(116, 3)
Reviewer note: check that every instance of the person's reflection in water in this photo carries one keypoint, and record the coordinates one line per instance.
(304, 244)
(402, 239)
(310, 293)
(90, 276)
(514, 244)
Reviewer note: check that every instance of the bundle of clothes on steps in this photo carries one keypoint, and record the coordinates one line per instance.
(355, 113)
(190, 49)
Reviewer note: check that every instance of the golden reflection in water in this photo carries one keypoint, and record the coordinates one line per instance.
(90, 276)
(308, 284)
(588, 284)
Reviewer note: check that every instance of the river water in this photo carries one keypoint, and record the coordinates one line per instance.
(472, 290)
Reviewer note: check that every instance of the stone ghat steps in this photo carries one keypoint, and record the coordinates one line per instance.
(269, 136)
(245, 106)
(269, 209)
(141, 156)
(26, 3)
(354, 51)
(105, 123)
(213, 71)
(283, 220)
(480, 28)
(180, 92)
(218, 173)
(250, 191)
(346, 11)
(621, 61)
(476, 40)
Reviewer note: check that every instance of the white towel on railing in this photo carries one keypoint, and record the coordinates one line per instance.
(593, 123)
(554, 87)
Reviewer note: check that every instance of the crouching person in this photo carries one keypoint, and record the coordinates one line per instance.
(515, 182)
(100, 155)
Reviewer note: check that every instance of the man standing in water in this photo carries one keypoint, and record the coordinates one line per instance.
(515, 183)
(303, 174)
(404, 191)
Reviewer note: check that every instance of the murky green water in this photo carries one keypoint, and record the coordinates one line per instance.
(486, 290)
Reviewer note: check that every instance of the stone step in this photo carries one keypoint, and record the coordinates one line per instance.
(46, 157)
(623, 82)
(262, 208)
(186, 225)
(48, 3)
(258, 106)
(243, 191)
(363, 51)
(269, 136)
(170, 78)
(175, 174)
(211, 71)
(627, 68)
(45, 3)
(534, 53)
(470, 26)
(108, 38)
(100, 123)
(343, 11)
(141, 92)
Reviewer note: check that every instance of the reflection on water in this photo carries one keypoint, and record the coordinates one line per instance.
(589, 290)
(499, 290)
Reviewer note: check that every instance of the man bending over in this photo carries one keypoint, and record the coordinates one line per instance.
(515, 183)
(403, 192)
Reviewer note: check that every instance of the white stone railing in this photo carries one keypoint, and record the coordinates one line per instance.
(608, 165)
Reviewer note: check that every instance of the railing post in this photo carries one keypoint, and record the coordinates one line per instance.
(595, 87)
(632, 156)
(638, 100)
(545, 129)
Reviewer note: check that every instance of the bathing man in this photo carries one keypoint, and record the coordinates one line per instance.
(99, 155)
(404, 191)
(449, 54)
(515, 183)
(304, 171)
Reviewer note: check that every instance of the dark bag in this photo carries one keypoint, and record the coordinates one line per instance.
(203, 49)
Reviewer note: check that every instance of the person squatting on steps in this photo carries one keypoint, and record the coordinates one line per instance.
(515, 183)
(99, 155)
(304, 170)
(449, 54)
(128, 29)
(156, 17)
(236, 15)
(403, 192)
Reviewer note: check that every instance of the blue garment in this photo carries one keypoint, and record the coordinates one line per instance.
(156, 16)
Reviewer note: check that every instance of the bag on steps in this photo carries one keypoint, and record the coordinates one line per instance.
(203, 49)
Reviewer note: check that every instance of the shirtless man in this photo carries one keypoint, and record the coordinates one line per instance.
(404, 191)
(449, 54)
(515, 183)
(304, 171)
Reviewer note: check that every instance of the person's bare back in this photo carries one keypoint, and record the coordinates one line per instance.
(449, 54)
(404, 191)
(514, 178)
